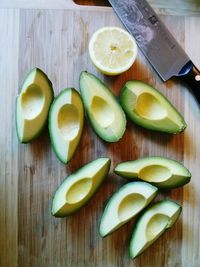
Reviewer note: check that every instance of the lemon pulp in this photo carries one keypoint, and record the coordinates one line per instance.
(112, 50)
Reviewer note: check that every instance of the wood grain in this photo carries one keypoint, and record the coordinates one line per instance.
(57, 41)
(9, 43)
(191, 211)
(170, 7)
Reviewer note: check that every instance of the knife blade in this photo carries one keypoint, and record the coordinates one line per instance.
(157, 43)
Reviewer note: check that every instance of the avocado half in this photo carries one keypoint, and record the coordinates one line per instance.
(147, 107)
(162, 172)
(124, 204)
(152, 224)
(78, 188)
(32, 105)
(66, 121)
(104, 112)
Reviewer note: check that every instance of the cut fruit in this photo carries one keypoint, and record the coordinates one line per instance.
(66, 119)
(77, 189)
(112, 50)
(124, 204)
(104, 112)
(152, 224)
(160, 171)
(32, 105)
(150, 109)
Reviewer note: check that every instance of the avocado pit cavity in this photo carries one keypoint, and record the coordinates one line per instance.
(132, 203)
(102, 111)
(79, 190)
(68, 122)
(156, 225)
(32, 102)
(147, 106)
(155, 173)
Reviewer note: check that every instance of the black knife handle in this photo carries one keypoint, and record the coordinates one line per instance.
(191, 76)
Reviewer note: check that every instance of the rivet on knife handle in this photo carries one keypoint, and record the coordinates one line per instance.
(191, 76)
(156, 42)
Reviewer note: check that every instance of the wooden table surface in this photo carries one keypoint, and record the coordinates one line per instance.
(21, 196)
(171, 7)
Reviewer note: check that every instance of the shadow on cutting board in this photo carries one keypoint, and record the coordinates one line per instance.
(92, 2)
(40, 147)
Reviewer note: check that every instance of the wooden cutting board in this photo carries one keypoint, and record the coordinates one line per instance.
(57, 41)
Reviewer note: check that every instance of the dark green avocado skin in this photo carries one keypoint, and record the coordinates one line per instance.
(129, 113)
(107, 205)
(45, 124)
(50, 132)
(109, 139)
(74, 211)
(161, 186)
(137, 224)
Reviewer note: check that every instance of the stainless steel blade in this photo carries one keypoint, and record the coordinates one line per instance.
(152, 36)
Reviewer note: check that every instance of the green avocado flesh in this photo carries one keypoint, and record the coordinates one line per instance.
(66, 120)
(104, 112)
(152, 224)
(32, 105)
(150, 109)
(124, 204)
(77, 189)
(160, 171)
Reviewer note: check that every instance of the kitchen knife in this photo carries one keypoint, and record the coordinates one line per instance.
(157, 43)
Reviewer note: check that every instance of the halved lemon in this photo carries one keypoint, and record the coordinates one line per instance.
(112, 50)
